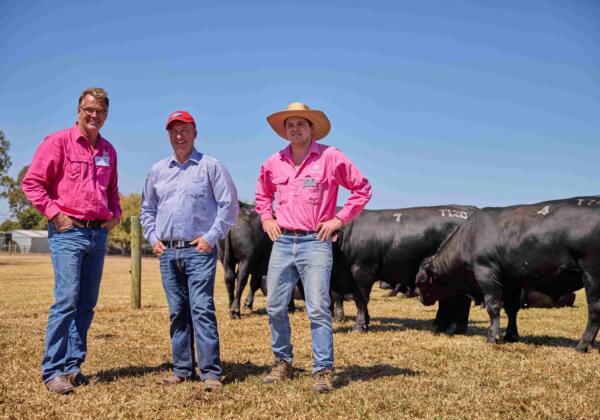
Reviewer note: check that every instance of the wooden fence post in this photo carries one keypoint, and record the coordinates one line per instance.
(136, 263)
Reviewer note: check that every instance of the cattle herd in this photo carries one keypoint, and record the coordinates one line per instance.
(521, 256)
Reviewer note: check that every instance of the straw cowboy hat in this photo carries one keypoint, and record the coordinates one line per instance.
(320, 122)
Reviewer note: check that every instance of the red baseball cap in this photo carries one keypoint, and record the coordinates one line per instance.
(180, 116)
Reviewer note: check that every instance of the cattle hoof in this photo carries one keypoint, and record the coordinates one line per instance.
(392, 294)
(246, 306)
(360, 329)
(234, 315)
(493, 339)
(338, 318)
(511, 338)
(582, 348)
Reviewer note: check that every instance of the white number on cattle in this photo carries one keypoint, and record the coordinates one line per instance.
(397, 216)
(580, 201)
(454, 213)
(544, 211)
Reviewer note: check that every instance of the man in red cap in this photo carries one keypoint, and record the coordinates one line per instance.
(189, 202)
(303, 179)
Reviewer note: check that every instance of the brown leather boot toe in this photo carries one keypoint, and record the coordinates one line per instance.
(280, 371)
(212, 384)
(59, 385)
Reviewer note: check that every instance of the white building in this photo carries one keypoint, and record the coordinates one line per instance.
(29, 241)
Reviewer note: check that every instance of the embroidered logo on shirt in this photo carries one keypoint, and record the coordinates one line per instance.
(316, 167)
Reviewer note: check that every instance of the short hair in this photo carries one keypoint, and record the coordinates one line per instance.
(310, 124)
(98, 93)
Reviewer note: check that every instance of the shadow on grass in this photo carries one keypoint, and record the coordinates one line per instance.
(384, 324)
(546, 340)
(105, 376)
(369, 373)
(238, 372)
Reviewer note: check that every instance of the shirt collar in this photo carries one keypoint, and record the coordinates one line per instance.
(100, 143)
(314, 148)
(194, 158)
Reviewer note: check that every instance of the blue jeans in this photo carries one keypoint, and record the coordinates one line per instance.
(310, 260)
(78, 259)
(188, 277)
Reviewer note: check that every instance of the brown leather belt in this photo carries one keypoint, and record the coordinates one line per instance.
(89, 223)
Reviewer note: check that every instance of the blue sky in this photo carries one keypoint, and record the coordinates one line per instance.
(487, 103)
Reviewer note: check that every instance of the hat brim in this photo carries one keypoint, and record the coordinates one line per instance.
(320, 123)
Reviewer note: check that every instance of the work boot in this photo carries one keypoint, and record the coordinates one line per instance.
(211, 384)
(281, 370)
(78, 379)
(323, 381)
(60, 385)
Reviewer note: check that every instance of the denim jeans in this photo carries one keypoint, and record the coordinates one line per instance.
(188, 277)
(309, 259)
(78, 259)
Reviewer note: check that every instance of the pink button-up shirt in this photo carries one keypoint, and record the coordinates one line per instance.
(307, 197)
(66, 175)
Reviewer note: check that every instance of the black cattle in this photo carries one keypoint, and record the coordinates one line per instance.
(389, 245)
(552, 247)
(244, 252)
(533, 299)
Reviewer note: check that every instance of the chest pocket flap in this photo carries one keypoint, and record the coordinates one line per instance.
(282, 188)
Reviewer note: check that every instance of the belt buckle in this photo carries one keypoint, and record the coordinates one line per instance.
(179, 244)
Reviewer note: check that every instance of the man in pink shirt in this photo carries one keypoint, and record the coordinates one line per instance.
(303, 180)
(72, 180)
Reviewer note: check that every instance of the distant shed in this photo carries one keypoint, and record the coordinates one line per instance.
(29, 241)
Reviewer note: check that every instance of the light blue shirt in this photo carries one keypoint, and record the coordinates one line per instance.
(185, 201)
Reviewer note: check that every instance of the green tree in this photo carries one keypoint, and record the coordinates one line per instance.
(5, 161)
(120, 236)
(8, 225)
(20, 207)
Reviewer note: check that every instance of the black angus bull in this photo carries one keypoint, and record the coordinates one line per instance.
(389, 245)
(552, 247)
(533, 299)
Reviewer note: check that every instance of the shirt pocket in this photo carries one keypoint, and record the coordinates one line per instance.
(198, 189)
(282, 189)
(314, 194)
(77, 167)
(103, 174)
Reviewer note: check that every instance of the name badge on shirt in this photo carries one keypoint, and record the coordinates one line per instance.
(309, 182)
(103, 160)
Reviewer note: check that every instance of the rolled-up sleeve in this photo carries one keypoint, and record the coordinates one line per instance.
(227, 203)
(265, 194)
(149, 208)
(44, 168)
(348, 176)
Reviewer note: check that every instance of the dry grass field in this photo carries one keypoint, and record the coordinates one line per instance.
(400, 369)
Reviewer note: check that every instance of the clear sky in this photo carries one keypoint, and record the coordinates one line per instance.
(487, 103)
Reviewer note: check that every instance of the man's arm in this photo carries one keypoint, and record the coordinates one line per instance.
(265, 194)
(45, 165)
(348, 176)
(227, 208)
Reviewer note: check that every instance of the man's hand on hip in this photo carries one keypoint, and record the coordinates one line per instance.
(328, 228)
(110, 224)
(202, 245)
(272, 229)
(63, 223)
(158, 248)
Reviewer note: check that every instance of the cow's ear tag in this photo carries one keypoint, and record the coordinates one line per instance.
(430, 280)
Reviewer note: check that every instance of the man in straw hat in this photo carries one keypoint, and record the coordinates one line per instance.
(303, 180)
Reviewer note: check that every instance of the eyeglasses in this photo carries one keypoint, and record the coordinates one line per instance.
(90, 111)
(185, 132)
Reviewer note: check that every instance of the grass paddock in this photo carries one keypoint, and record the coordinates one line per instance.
(399, 369)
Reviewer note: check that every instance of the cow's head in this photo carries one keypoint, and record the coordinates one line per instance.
(435, 283)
